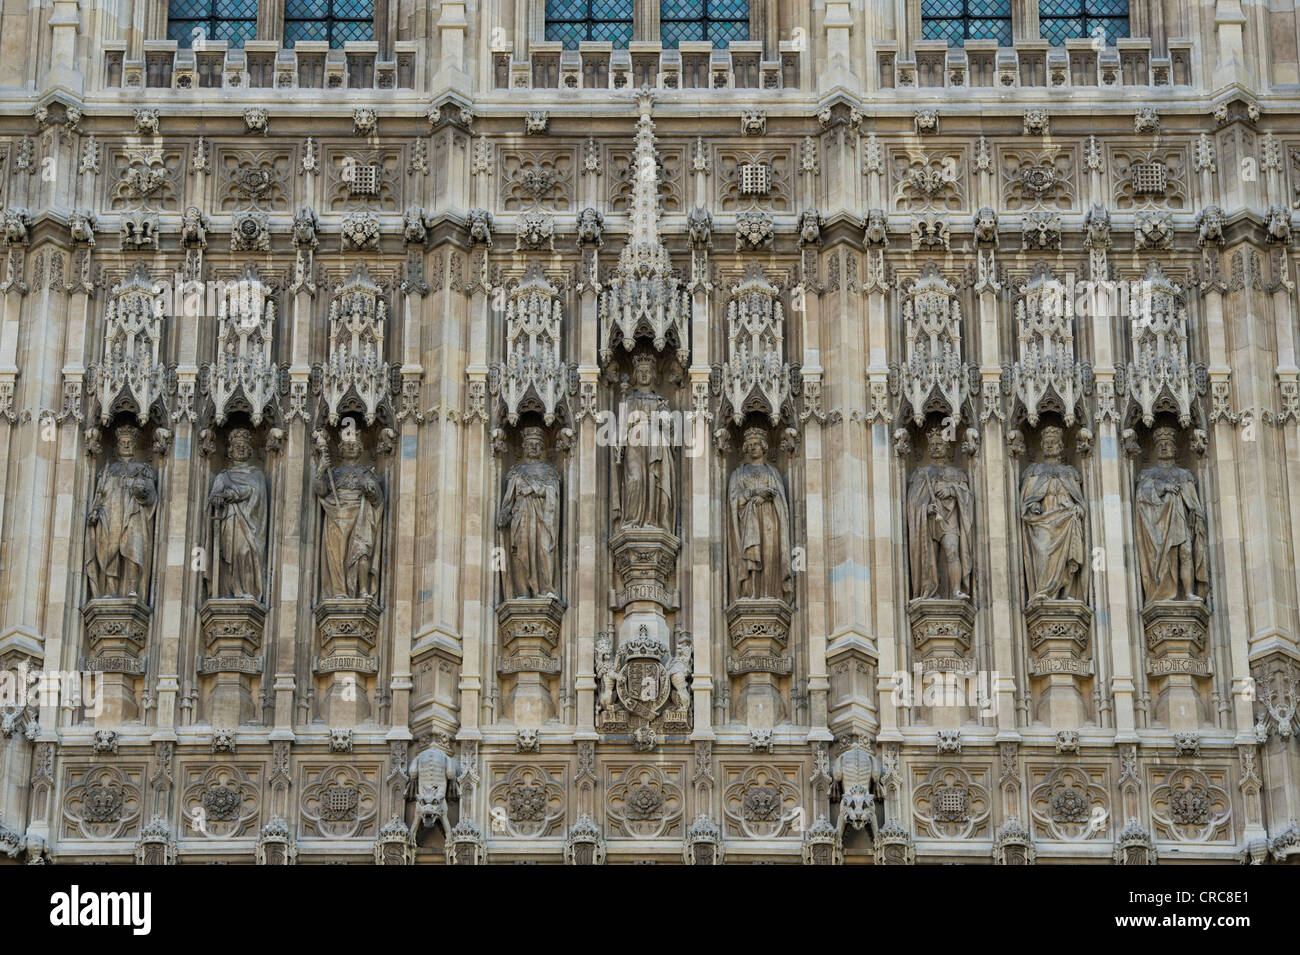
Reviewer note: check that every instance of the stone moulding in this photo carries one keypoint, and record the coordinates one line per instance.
(942, 629)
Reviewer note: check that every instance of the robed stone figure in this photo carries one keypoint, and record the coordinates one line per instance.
(1171, 539)
(352, 498)
(940, 514)
(758, 526)
(647, 494)
(530, 518)
(120, 522)
(239, 508)
(1051, 515)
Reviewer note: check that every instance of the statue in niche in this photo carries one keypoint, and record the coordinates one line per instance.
(1052, 510)
(239, 511)
(121, 522)
(606, 673)
(1171, 533)
(352, 496)
(758, 525)
(530, 516)
(679, 675)
(940, 515)
(647, 496)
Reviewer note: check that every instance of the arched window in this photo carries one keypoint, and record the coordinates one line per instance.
(572, 21)
(231, 20)
(1061, 20)
(720, 21)
(336, 21)
(960, 20)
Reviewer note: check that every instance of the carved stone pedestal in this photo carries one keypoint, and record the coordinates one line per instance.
(348, 628)
(943, 633)
(1176, 632)
(116, 631)
(759, 631)
(645, 559)
(529, 630)
(1058, 647)
(232, 636)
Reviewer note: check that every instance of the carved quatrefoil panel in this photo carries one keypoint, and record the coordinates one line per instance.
(144, 177)
(669, 160)
(1039, 180)
(935, 181)
(254, 179)
(339, 802)
(102, 802)
(1191, 805)
(364, 178)
(526, 801)
(950, 802)
(762, 802)
(646, 801)
(732, 195)
(1149, 178)
(541, 178)
(1070, 803)
(221, 801)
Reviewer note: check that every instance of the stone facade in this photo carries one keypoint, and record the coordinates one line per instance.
(833, 448)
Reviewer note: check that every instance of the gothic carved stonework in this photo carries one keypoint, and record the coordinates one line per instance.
(755, 377)
(130, 377)
(244, 376)
(356, 373)
(534, 376)
(934, 376)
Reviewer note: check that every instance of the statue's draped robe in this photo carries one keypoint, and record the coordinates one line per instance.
(945, 487)
(758, 531)
(351, 529)
(124, 530)
(1053, 540)
(1170, 528)
(532, 501)
(647, 496)
(241, 531)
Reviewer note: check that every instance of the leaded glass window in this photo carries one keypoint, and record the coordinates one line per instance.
(1061, 20)
(960, 20)
(231, 20)
(719, 21)
(335, 21)
(572, 21)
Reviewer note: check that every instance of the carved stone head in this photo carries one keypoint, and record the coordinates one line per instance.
(1165, 440)
(936, 443)
(644, 368)
(755, 445)
(349, 440)
(534, 442)
(1052, 443)
(124, 439)
(239, 446)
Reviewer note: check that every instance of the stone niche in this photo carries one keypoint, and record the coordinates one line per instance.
(232, 617)
(940, 527)
(760, 578)
(119, 558)
(530, 523)
(1171, 535)
(351, 495)
(1054, 569)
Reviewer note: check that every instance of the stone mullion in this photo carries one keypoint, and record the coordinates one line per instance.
(441, 578)
(1234, 615)
(999, 504)
(588, 555)
(1254, 364)
(296, 573)
(477, 518)
(1117, 579)
(885, 513)
(406, 581)
(34, 458)
(815, 616)
(11, 308)
(1288, 378)
(707, 573)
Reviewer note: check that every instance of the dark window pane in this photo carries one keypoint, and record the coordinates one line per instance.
(1061, 20)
